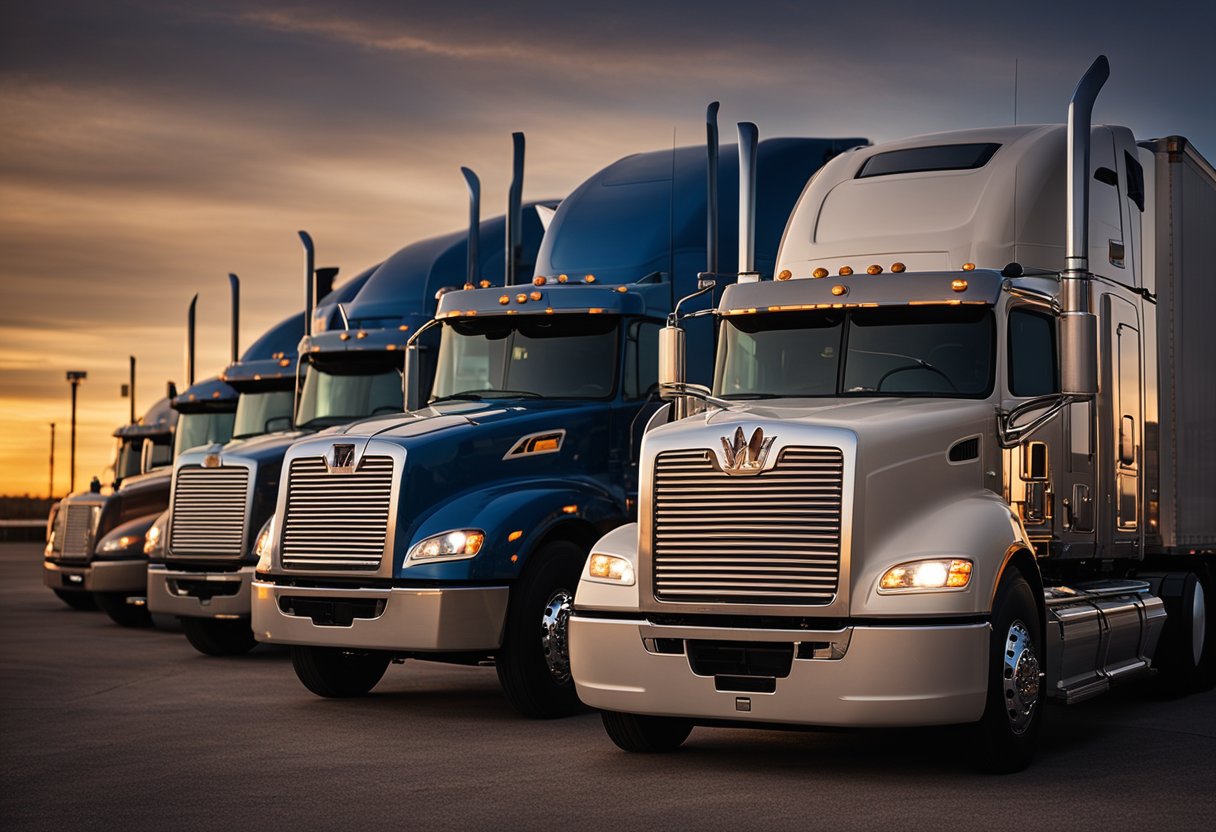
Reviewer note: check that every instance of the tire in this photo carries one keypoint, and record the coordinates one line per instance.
(1006, 735)
(76, 600)
(1186, 655)
(216, 637)
(114, 604)
(336, 673)
(533, 663)
(646, 734)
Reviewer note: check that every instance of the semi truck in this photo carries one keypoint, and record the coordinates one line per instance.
(455, 532)
(958, 458)
(223, 497)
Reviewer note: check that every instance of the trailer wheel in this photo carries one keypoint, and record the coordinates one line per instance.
(646, 734)
(1006, 734)
(218, 637)
(1186, 655)
(337, 673)
(76, 600)
(114, 604)
(534, 662)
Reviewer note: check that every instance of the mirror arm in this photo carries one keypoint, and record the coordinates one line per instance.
(1010, 435)
(696, 391)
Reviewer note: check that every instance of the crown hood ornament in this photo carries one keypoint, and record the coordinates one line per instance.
(745, 456)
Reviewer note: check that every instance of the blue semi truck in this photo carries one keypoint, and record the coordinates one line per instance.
(456, 531)
(223, 497)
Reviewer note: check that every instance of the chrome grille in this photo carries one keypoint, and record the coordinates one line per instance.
(77, 531)
(208, 518)
(337, 521)
(769, 538)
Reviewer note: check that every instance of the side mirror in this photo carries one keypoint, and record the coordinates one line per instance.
(671, 361)
(410, 376)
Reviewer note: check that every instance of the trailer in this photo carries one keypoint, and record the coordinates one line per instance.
(455, 531)
(958, 457)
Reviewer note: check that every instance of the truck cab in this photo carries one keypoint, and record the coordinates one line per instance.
(455, 532)
(926, 487)
(349, 367)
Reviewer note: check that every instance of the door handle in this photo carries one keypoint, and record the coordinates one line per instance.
(1127, 441)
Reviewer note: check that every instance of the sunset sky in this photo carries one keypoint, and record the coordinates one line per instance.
(149, 148)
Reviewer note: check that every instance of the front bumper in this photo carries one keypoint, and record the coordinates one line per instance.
(868, 677)
(199, 594)
(431, 619)
(98, 576)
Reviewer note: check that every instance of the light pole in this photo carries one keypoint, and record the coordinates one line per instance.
(74, 379)
(51, 490)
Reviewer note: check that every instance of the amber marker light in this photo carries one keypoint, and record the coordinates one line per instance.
(283, 362)
(468, 286)
(968, 267)
(535, 295)
(875, 269)
(819, 272)
(403, 327)
(610, 569)
(361, 335)
(898, 268)
(539, 280)
(562, 278)
(588, 278)
(485, 284)
(515, 535)
(622, 289)
(839, 290)
(569, 509)
(521, 298)
(922, 575)
(345, 336)
(845, 271)
(504, 300)
(786, 274)
(958, 285)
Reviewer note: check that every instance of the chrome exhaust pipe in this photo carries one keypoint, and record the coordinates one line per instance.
(515, 196)
(234, 283)
(1078, 324)
(131, 388)
(749, 138)
(473, 274)
(711, 201)
(310, 257)
(190, 320)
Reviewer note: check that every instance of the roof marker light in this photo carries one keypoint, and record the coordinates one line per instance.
(968, 267)
(839, 290)
(588, 278)
(539, 280)
(875, 269)
(845, 271)
(958, 285)
(521, 298)
(535, 295)
(361, 335)
(485, 284)
(786, 274)
(468, 286)
(898, 268)
(504, 300)
(344, 336)
(819, 272)
(561, 278)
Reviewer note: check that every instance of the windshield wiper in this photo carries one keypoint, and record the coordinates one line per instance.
(738, 397)
(479, 395)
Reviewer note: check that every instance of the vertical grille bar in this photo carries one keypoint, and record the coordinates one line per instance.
(77, 531)
(337, 521)
(208, 517)
(769, 538)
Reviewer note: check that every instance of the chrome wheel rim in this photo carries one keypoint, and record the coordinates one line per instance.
(1020, 676)
(555, 622)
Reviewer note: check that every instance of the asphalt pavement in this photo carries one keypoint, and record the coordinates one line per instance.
(104, 727)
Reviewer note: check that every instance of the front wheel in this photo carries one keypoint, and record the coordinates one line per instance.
(1007, 732)
(115, 605)
(646, 734)
(534, 662)
(337, 673)
(76, 600)
(218, 637)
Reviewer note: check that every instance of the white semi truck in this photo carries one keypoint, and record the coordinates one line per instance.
(959, 456)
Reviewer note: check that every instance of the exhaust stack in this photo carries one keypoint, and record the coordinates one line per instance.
(1078, 324)
(131, 388)
(515, 209)
(711, 201)
(234, 283)
(749, 137)
(473, 274)
(310, 266)
(190, 343)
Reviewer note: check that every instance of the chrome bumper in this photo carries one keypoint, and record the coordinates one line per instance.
(868, 676)
(433, 619)
(199, 594)
(98, 576)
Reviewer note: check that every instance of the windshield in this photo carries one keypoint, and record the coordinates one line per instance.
(127, 458)
(560, 357)
(194, 429)
(259, 413)
(331, 398)
(942, 351)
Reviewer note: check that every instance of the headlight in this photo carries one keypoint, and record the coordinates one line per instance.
(463, 543)
(954, 573)
(117, 544)
(610, 569)
(263, 545)
(154, 540)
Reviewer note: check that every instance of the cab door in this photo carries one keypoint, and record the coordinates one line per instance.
(1120, 416)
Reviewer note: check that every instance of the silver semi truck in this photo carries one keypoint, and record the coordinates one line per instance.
(959, 457)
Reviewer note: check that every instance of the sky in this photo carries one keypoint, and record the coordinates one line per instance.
(149, 147)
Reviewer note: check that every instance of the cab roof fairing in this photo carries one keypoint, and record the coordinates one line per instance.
(983, 286)
(209, 394)
(562, 299)
(159, 420)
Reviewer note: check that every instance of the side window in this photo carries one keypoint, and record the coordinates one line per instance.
(1135, 180)
(1032, 354)
(641, 359)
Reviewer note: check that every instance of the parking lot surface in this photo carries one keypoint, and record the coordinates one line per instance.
(104, 727)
